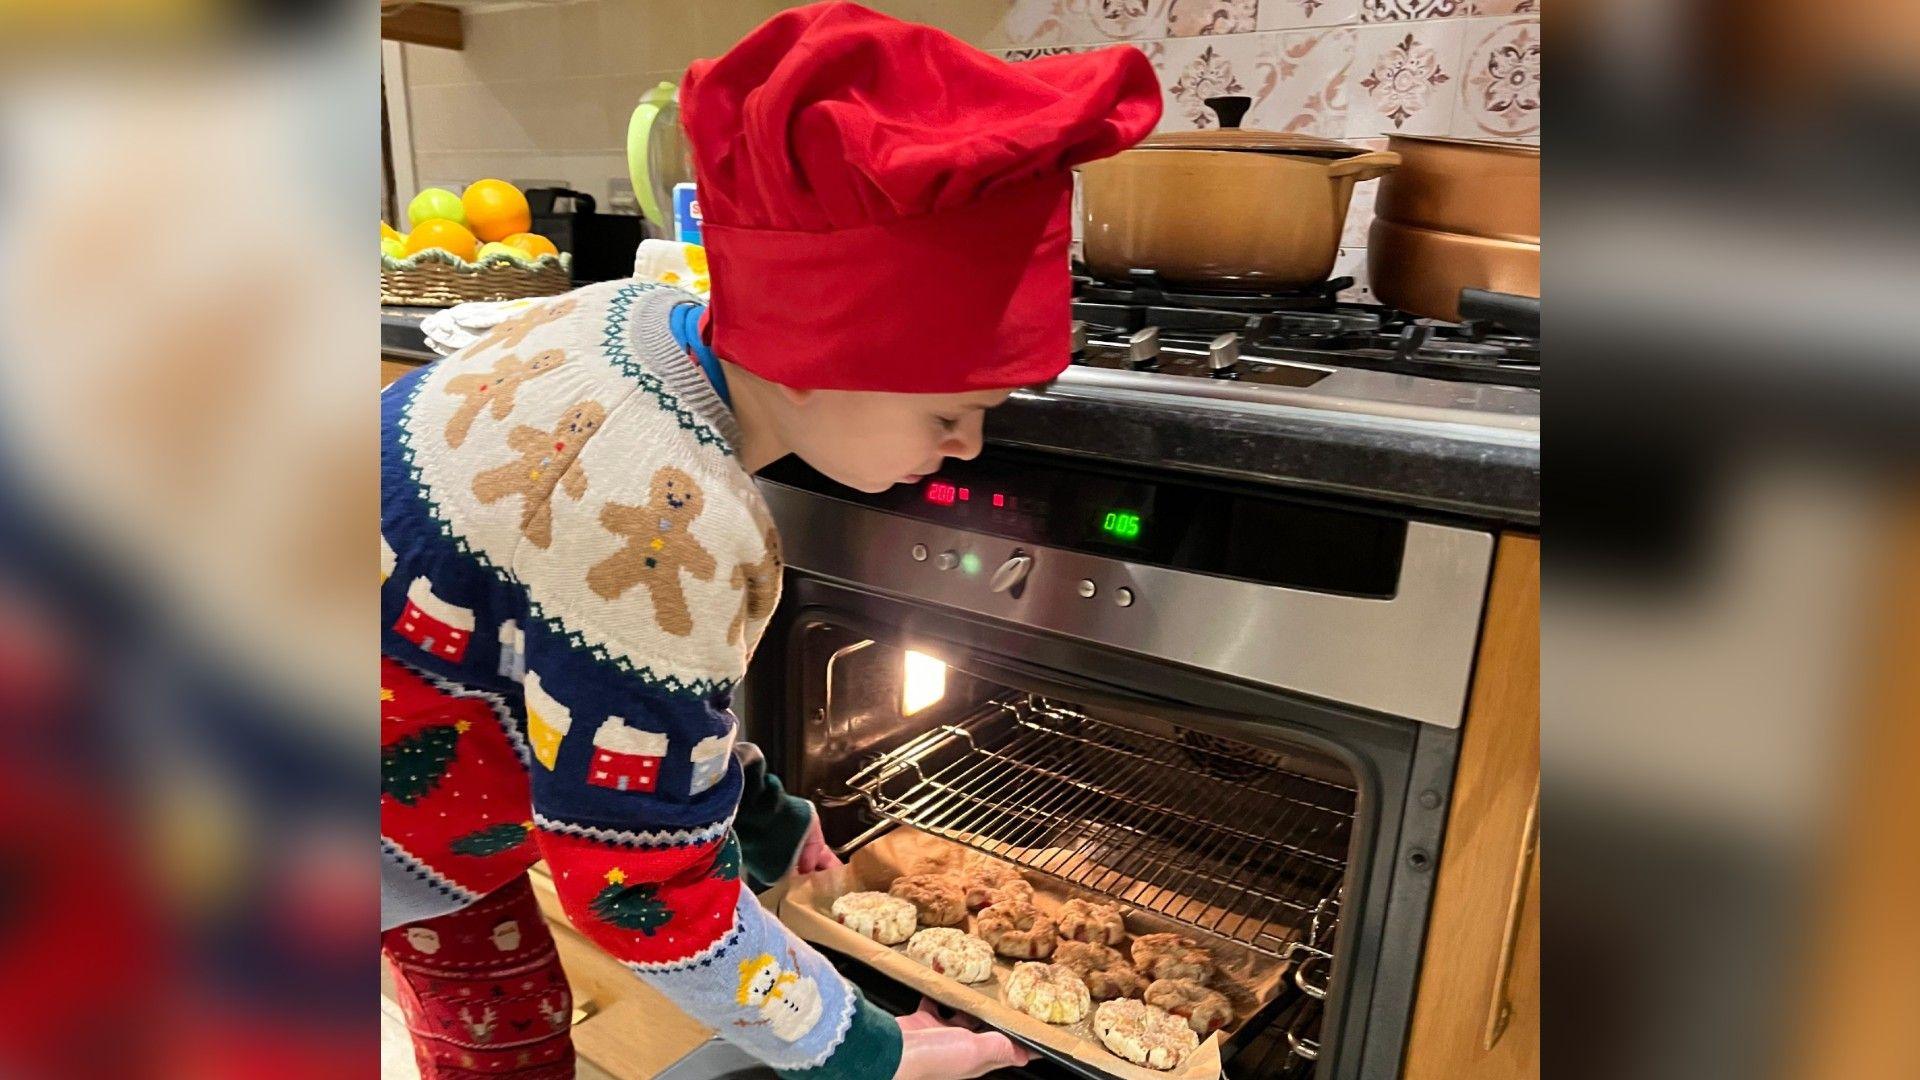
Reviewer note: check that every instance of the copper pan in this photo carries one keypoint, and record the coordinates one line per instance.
(1223, 209)
(1464, 186)
(1423, 270)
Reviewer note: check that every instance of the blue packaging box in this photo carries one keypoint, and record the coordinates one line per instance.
(686, 214)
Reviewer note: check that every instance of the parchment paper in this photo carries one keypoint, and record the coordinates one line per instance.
(1249, 979)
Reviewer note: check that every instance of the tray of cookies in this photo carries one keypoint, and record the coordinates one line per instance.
(1128, 993)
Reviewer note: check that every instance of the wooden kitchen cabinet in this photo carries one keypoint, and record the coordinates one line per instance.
(1476, 1013)
(391, 369)
(630, 1030)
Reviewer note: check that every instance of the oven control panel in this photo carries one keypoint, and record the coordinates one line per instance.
(1407, 655)
(1011, 575)
(1175, 524)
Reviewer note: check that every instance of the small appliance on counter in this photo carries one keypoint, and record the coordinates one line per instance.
(602, 245)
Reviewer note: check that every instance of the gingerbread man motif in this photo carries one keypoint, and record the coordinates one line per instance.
(546, 459)
(494, 389)
(515, 330)
(659, 546)
(759, 585)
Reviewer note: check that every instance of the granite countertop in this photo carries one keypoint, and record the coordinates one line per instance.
(1429, 459)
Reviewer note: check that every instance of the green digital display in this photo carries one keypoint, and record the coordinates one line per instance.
(1121, 525)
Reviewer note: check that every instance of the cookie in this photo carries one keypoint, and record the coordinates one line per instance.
(1048, 992)
(953, 953)
(1143, 1034)
(1083, 920)
(1107, 973)
(1171, 956)
(940, 899)
(1017, 930)
(888, 920)
(988, 882)
(1205, 1011)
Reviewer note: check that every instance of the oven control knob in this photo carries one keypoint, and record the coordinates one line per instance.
(946, 560)
(919, 553)
(1088, 588)
(1123, 596)
(1143, 348)
(1012, 572)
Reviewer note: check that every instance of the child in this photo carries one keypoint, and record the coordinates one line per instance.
(576, 564)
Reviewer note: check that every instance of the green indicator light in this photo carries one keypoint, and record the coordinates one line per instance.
(1121, 524)
(970, 563)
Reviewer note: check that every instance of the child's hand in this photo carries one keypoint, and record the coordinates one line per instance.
(814, 852)
(936, 1049)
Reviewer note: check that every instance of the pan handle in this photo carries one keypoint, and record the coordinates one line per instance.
(1367, 166)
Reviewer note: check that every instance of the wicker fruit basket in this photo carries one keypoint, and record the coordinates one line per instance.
(435, 278)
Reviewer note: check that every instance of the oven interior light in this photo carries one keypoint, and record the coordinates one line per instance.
(924, 684)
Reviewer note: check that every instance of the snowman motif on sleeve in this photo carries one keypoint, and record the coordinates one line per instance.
(789, 1002)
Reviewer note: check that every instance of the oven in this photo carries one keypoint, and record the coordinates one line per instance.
(1234, 707)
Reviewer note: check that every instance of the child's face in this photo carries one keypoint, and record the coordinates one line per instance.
(872, 441)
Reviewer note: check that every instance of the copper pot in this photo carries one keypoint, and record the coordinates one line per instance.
(1423, 270)
(1458, 213)
(1227, 209)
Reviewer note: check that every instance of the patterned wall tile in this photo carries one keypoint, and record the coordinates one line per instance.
(1500, 79)
(1037, 22)
(1194, 69)
(1083, 22)
(1189, 18)
(1403, 79)
(1127, 20)
(1037, 51)
(1294, 14)
(1506, 7)
(1302, 82)
(1403, 10)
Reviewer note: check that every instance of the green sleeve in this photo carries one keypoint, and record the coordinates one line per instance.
(870, 1051)
(770, 823)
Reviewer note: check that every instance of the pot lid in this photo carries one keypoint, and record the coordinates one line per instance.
(1231, 136)
(1263, 142)
(1519, 149)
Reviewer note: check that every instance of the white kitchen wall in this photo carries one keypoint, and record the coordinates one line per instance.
(543, 93)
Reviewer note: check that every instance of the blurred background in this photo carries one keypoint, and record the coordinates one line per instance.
(187, 464)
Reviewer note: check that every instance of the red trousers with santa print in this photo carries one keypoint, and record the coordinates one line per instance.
(483, 992)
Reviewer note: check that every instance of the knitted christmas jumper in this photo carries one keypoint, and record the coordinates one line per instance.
(574, 570)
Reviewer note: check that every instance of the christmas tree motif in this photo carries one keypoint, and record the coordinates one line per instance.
(491, 840)
(631, 907)
(726, 864)
(412, 766)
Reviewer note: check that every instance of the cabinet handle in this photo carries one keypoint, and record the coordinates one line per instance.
(1499, 1009)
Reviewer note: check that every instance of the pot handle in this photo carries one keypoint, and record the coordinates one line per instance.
(1365, 166)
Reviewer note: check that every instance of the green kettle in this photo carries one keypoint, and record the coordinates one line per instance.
(657, 157)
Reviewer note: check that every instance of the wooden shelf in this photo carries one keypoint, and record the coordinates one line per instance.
(423, 24)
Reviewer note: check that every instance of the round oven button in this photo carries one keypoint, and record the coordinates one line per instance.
(1088, 588)
(919, 553)
(946, 560)
(1123, 597)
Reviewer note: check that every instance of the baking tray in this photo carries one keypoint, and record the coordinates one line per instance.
(1250, 980)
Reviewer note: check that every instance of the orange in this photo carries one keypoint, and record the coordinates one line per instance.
(496, 209)
(445, 235)
(533, 244)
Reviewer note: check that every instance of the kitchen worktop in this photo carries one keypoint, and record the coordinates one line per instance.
(1390, 448)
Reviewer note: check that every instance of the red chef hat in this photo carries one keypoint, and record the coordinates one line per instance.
(886, 207)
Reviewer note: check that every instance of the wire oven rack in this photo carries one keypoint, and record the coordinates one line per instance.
(1214, 833)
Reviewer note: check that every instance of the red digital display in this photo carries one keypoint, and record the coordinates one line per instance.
(966, 494)
(999, 499)
(941, 493)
